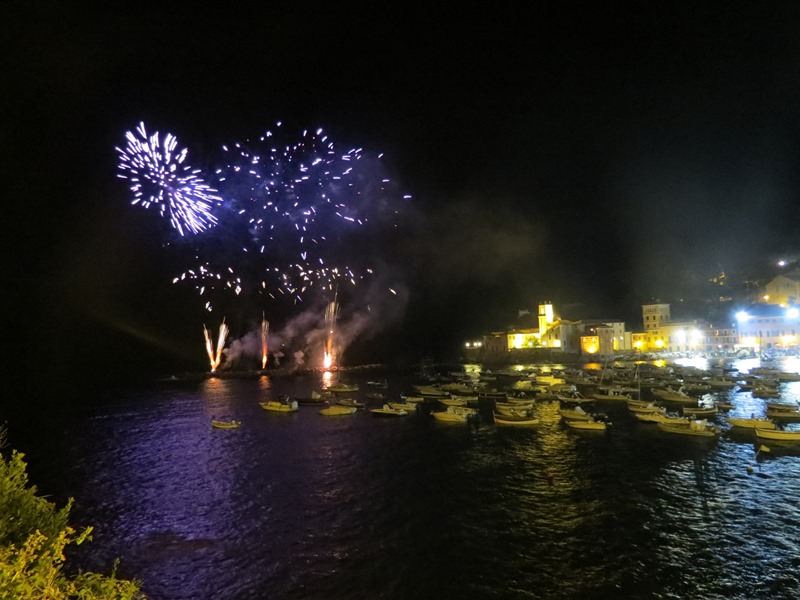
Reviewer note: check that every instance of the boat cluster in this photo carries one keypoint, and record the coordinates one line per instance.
(677, 399)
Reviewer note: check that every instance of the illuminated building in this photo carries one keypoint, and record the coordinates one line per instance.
(783, 290)
(663, 334)
(554, 334)
(768, 326)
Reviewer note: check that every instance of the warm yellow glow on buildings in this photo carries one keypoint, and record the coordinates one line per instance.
(590, 344)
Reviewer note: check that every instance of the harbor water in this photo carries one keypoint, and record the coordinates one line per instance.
(305, 506)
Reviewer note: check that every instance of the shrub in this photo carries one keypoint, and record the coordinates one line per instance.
(33, 535)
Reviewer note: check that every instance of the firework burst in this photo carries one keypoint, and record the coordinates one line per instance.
(155, 168)
(292, 214)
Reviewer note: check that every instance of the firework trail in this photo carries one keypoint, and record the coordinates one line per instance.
(215, 356)
(158, 176)
(292, 218)
(264, 348)
(331, 314)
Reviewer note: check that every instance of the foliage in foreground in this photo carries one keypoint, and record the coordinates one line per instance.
(33, 535)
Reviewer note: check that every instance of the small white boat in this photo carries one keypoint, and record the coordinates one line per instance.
(454, 414)
(501, 419)
(453, 401)
(672, 395)
(611, 395)
(225, 424)
(412, 399)
(337, 409)
(574, 414)
(388, 411)
(647, 407)
(699, 411)
(575, 398)
(342, 388)
(506, 406)
(661, 418)
(591, 424)
(351, 402)
(698, 428)
(402, 406)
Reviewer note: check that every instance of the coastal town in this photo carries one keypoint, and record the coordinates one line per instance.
(768, 325)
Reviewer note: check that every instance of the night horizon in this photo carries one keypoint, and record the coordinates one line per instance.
(597, 158)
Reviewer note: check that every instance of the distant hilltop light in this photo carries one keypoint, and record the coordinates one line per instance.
(781, 263)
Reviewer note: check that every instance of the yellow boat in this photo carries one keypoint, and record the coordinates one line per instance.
(781, 435)
(282, 405)
(225, 424)
(752, 423)
(338, 409)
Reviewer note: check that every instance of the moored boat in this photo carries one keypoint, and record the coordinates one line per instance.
(342, 388)
(699, 411)
(388, 411)
(590, 424)
(752, 423)
(661, 418)
(502, 419)
(225, 424)
(699, 428)
(352, 402)
(337, 409)
(781, 435)
(672, 395)
(282, 404)
(574, 414)
(454, 414)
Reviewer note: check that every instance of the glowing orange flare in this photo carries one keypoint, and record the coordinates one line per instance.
(264, 348)
(215, 357)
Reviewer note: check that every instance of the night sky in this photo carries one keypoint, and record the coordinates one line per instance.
(594, 157)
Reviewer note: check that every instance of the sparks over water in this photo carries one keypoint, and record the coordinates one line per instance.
(158, 176)
(215, 356)
(292, 208)
(331, 314)
(264, 347)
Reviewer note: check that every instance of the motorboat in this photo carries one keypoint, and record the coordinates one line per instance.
(337, 409)
(454, 414)
(454, 401)
(506, 406)
(699, 411)
(388, 411)
(611, 395)
(574, 414)
(695, 427)
(785, 415)
(646, 407)
(671, 395)
(501, 419)
(590, 424)
(575, 398)
(781, 435)
(342, 388)
(352, 402)
(283, 404)
(752, 423)
(661, 418)
(412, 399)
(225, 424)
(402, 406)
(782, 406)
